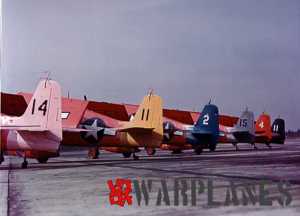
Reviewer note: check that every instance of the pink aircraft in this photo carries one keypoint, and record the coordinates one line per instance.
(38, 132)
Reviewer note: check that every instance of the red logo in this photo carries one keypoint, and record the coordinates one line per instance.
(120, 192)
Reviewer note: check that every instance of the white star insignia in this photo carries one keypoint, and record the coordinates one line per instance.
(93, 130)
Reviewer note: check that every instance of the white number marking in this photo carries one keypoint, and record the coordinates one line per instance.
(206, 119)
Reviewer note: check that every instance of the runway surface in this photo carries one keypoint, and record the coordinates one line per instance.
(220, 182)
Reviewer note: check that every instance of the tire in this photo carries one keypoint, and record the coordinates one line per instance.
(135, 157)
(177, 151)
(24, 165)
(1, 158)
(150, 151)
(126, 154)
(212, 147)
(269, 145)
(42, 160)
(93, 153)
(198, 150)
(1, 154)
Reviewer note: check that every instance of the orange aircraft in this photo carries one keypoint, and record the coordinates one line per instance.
(267, 134)
(145, 129)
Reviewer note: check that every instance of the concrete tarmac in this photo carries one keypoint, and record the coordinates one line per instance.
(249, 182)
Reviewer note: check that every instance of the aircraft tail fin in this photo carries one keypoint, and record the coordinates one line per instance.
(263, 126)
(43, 112)
(244, 130)
(246, 122)
(278, 131)
(208, 120)
(206, 128)
(149, 116)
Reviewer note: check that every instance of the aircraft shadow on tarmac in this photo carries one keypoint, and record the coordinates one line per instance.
(205, 152)
(184, 157)
(120, 164)
(217, 159)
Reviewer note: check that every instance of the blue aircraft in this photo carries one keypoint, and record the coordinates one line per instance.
(205, 133)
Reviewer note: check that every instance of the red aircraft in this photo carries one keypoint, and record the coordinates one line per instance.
(38, 132)
(267, 134)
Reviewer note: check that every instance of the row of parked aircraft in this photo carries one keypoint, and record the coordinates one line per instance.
(39, 132)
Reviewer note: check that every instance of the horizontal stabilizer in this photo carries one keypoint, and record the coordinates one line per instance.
(81, 130)
(136, 129)
(24, 128)
(202, 132)
(106, 131)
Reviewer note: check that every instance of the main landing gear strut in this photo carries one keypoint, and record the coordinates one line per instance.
(1, 158)
(135, 157)
(25, 163)
(236, 146)
(1, 155)
(93, 153)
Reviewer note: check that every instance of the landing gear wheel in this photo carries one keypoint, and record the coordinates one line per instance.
(254, 146)
(24, 164)
(126, 154)
(198, 150)
(1, 158)
(212, 147)
(177, 151)
(42, 160)
(93, 153)
(150, 151)
(135, 157)
(1, 155)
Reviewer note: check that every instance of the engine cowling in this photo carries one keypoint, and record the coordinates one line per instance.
(97, 126)
(169, 130)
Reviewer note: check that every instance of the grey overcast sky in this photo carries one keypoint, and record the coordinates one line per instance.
(237, 52)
